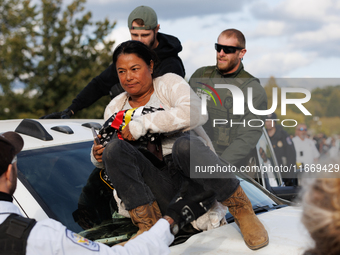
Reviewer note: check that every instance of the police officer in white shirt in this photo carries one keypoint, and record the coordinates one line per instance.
(306, 152)
(20, 235)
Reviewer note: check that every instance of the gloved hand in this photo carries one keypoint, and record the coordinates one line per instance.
(188, 208)
(66, 114)
(83, 216)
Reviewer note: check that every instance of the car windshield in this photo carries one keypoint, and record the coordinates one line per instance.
(55, 176)
(67, 185)
(256, 195)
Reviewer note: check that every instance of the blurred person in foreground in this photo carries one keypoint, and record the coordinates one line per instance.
(321, 214)
(144, 27)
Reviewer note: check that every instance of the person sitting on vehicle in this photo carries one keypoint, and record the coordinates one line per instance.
(125, 164)
(321, 214)
(145, 185)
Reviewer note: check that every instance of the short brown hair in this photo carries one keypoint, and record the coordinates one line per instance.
(235, 33)
(139, 22)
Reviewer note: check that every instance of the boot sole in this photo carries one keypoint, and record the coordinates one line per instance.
(258, 246)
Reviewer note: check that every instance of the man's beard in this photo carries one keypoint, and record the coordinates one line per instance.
(153, 41)
(227, 67)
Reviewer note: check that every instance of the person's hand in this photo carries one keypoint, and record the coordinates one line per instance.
(97, 150)
(66, 114)
(126, 134)
(188, 208)
(83, 216)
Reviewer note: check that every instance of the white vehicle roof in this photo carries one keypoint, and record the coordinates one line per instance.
(28, 205)
(287, 236)
(81, 133)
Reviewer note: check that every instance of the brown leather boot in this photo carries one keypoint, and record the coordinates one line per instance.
(254, 234)
(144, 217)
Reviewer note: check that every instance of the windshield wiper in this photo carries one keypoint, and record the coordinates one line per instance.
(266, 208)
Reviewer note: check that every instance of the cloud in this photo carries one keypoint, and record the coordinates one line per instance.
(269, 28)
(299, 14)
(283, 37)
(311, 26)
(297, 10)
(195, 55)
(117, 9)
(119, 34)
(326, 40)
(278, 64)
(308, 10)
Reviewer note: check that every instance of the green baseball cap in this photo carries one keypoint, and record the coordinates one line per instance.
(145, 13)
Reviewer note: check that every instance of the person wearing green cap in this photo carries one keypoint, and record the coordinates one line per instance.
(144, 27)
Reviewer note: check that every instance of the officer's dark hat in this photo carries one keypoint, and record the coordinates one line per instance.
(11, 144)
(271, 116)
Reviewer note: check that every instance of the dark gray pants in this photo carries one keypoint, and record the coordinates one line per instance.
(189, 151)
(138, 182)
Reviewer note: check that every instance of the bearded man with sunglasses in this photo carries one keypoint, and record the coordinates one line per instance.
(235, 140)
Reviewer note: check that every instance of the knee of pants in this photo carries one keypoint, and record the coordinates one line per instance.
(112, 149)
(181, 147)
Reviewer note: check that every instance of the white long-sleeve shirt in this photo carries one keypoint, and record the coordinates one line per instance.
(306, 151)
(51, 237)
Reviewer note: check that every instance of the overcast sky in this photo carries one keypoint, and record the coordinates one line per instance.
(291, 38)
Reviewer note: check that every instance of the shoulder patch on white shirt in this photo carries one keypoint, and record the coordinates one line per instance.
(82, 241)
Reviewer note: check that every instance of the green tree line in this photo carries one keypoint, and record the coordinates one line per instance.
(51, 53)
(324, 106)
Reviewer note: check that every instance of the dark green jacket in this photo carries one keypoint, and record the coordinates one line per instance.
(234, 143)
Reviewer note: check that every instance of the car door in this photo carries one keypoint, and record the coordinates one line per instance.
(270, 172)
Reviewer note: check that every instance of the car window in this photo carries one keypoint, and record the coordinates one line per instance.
(56, 176)
(267, 161)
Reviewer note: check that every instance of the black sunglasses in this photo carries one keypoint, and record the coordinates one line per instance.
(303, 129)
(226, 49)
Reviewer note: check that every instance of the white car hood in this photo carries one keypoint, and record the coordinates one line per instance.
(286, 233)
